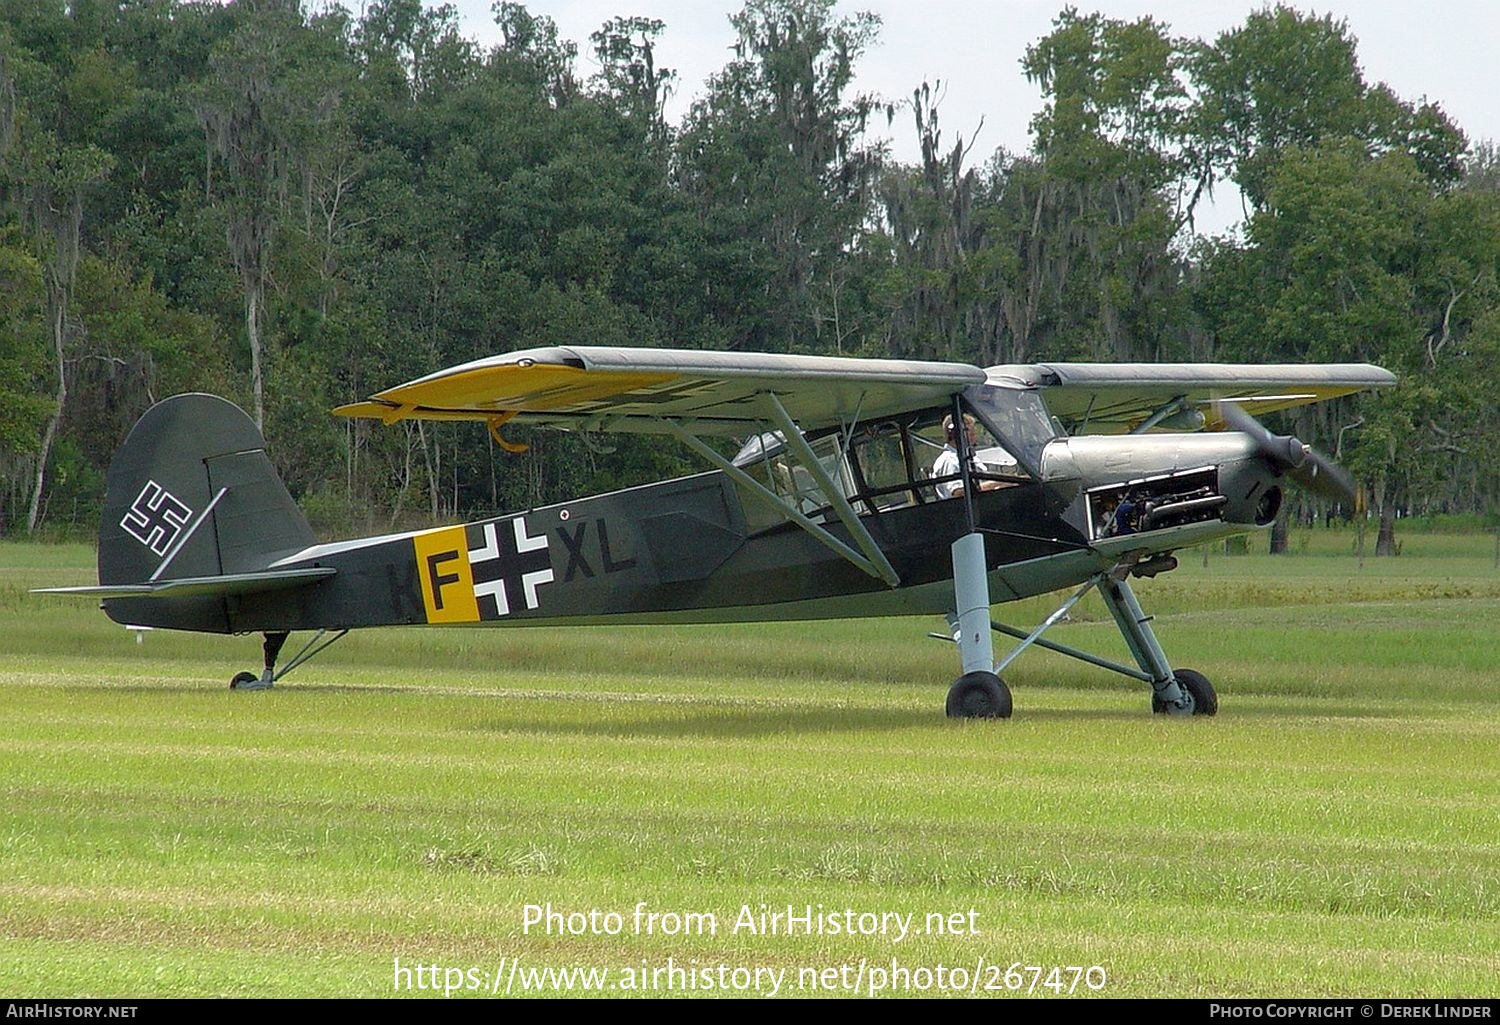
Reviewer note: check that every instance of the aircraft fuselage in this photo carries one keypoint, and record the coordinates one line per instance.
(684, 551)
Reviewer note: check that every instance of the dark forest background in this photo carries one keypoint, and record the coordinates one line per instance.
(298, 208)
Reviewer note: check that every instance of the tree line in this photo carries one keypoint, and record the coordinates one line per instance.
(296, 208)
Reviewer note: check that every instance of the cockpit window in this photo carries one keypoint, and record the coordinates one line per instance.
(937, 460)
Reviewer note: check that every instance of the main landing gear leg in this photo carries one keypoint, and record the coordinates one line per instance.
(1180, 692)
(978, 693)
(1173, 692)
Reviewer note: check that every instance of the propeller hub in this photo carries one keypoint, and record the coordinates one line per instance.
(1296, 451)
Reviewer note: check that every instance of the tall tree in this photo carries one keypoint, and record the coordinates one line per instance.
(932, 245)
(49, 177)
(1118, 175)
(532, 51)
(24, 403)
(628, 73)
(1283, 80)
(261, 110)
(774, 160)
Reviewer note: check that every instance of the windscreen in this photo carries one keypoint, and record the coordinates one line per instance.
(1018, 418)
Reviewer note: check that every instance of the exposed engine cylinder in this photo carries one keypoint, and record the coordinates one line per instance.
(1172, 500)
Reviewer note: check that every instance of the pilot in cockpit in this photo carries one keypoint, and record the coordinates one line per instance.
(946, 463)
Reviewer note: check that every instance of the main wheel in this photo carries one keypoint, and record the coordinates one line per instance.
(1205, 701)
(240, 679)
(979, 695)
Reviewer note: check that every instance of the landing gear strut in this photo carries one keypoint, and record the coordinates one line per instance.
(979, 693)
(271, 649)
(1182, 692)
(1173, 692)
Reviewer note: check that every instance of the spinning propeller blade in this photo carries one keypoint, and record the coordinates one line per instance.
(1302, 463)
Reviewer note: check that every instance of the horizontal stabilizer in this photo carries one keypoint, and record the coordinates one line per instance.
(192, 587)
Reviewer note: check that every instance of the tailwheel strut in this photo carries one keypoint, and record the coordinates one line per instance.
(275, 640)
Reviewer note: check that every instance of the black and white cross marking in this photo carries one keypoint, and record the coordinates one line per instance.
(155, 518)
(506, 561)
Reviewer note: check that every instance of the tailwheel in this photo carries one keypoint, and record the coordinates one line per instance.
(1199, 692)
(979, 695)
(271, 648)
(274, 641)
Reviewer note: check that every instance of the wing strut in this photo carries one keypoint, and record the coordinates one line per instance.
(792, 435)
(755, 488)
(1162, 412)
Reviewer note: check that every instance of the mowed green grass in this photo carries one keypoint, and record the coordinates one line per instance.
(1334, 831)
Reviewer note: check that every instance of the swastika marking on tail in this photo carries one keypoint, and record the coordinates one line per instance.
(156, 517)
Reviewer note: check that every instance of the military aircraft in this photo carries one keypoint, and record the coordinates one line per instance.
(854, 492)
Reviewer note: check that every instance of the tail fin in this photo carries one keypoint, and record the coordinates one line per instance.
(191, 497)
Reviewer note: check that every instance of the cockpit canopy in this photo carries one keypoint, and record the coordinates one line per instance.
(889, 463)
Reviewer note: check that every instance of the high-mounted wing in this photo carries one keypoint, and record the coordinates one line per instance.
(689, 394)
(1117, 398)
(627, 389)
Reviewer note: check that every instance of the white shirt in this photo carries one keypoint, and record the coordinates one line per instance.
(946, 464)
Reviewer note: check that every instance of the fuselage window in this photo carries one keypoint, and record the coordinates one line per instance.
(881, 465)
(766, 459)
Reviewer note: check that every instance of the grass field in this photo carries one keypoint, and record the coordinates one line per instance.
(1334, 831)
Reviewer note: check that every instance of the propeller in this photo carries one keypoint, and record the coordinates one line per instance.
(1302, 463)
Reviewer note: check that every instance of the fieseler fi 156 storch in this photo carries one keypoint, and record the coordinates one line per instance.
(861, 488)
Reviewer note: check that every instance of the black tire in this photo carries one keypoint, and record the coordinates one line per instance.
(979, 695)
(1205, 701)
(240, 679)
